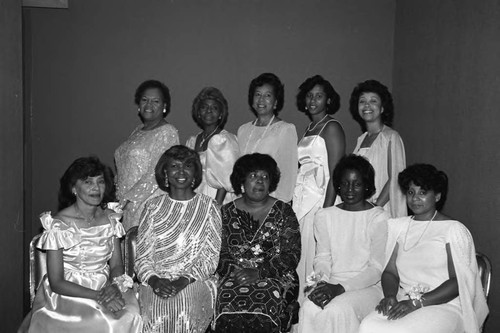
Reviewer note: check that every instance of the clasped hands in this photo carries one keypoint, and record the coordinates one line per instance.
(390, 307)
(324, 293)
(168, 288)
(111, 297)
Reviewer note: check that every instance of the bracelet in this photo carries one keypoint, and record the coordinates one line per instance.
(123, 282)
(414, 302)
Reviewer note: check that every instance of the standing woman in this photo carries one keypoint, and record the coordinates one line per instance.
(319, 150)
(372, 107)
(218, 149)
(136, 158)
(178, 247)
(268, 134)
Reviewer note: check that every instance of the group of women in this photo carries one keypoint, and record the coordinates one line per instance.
(300, 227)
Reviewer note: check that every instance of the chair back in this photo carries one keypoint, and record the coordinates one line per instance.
(130, 251)
(38, 267)
(484, 270)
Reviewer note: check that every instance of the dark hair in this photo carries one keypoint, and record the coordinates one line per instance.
(331, 94)
(139, 92)
(253, 162)
(359, 164)
(213, 94)
(278, 90)
(178, 153)
(81, 169)
(428, 178)
(378, 88)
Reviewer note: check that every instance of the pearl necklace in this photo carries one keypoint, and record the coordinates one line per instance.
(80, 214)
(203, 139)
(423, 232)
(309, 129)
(246, 151)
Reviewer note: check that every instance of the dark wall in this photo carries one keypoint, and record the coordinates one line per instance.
(11, 166)
(447, 90)
(88, 60)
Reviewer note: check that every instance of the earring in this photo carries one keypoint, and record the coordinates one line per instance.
(306, 108)
(164, 110)
(242, 189)
(193, 182)
(138, 110)
(73, 192)
(166, 181)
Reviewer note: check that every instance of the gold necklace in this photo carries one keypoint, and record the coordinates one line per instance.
(309, 129)
(420, 238)
(80, 214)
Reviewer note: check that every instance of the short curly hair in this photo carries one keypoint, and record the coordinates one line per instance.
(81, 169)
(359, 164)
(249, 163)
(382, 91)
(213, 94)
(148, 84)
(278, 89)
(331, 94)
(428, 177)
(178, 153)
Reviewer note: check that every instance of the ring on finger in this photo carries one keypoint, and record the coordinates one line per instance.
(157, 290)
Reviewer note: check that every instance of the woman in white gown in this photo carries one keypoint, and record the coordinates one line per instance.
(372, 107)
(268, 134)
(218, 149)
(431, 281)
(319, 150)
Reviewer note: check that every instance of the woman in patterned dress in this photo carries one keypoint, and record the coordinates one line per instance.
(136, 158)
(260, 252)
(178, 246)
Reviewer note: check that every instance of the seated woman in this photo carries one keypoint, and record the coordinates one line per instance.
(82, 291)
(178, 245)
(217, 147)
(260, 252)
(431, 282)
(351, 238)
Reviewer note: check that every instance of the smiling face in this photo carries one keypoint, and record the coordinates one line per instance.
(264, 100)
(370, 107)
(316, 100)
(256, 185)
(90, 191)
(180, 174)
(151, 105)
(209, 112)
(422, 202)
(352, 189)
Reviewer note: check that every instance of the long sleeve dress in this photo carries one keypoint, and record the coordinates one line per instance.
(350, 252)
(86, 252)
(274, 249)
(279, 140)
(387, 142)
(217, 162)
(422, 261)
(178, 238)
(135, 161)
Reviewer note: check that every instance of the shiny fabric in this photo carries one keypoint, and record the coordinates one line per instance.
(278, 141)
(179, 238)
(422, 259)
(135, 161)
(388, 141)
(86, 252)
(350, 252)
(217, 162)
(273, 248)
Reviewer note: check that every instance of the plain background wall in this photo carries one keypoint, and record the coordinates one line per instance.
(11, 165)
(447, 90)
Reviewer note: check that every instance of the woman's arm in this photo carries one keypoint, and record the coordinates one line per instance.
(146, 241)
(384, 197)
(287, 159)
(220, 195)
(390, 284)
(334, 137)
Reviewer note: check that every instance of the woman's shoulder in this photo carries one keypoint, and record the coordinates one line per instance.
(223, 137)
(58, 232)
(167, 129)
(389, 133)
(58, 221)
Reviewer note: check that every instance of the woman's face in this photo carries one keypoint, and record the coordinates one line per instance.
(90, 190)
(352, 188)
(151, 105)
(421, 202)
(264, 100)
(209, 112)
(180, 174)
(316, 100)
(370, 107)
(256, 185)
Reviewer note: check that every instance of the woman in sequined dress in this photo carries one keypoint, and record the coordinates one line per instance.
(178, 247)
(260, 251)
(136, 158)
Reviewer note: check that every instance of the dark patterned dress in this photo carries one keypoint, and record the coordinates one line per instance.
(274, 249)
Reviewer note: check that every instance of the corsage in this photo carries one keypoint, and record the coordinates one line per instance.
(123, 282)
(415, 293)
